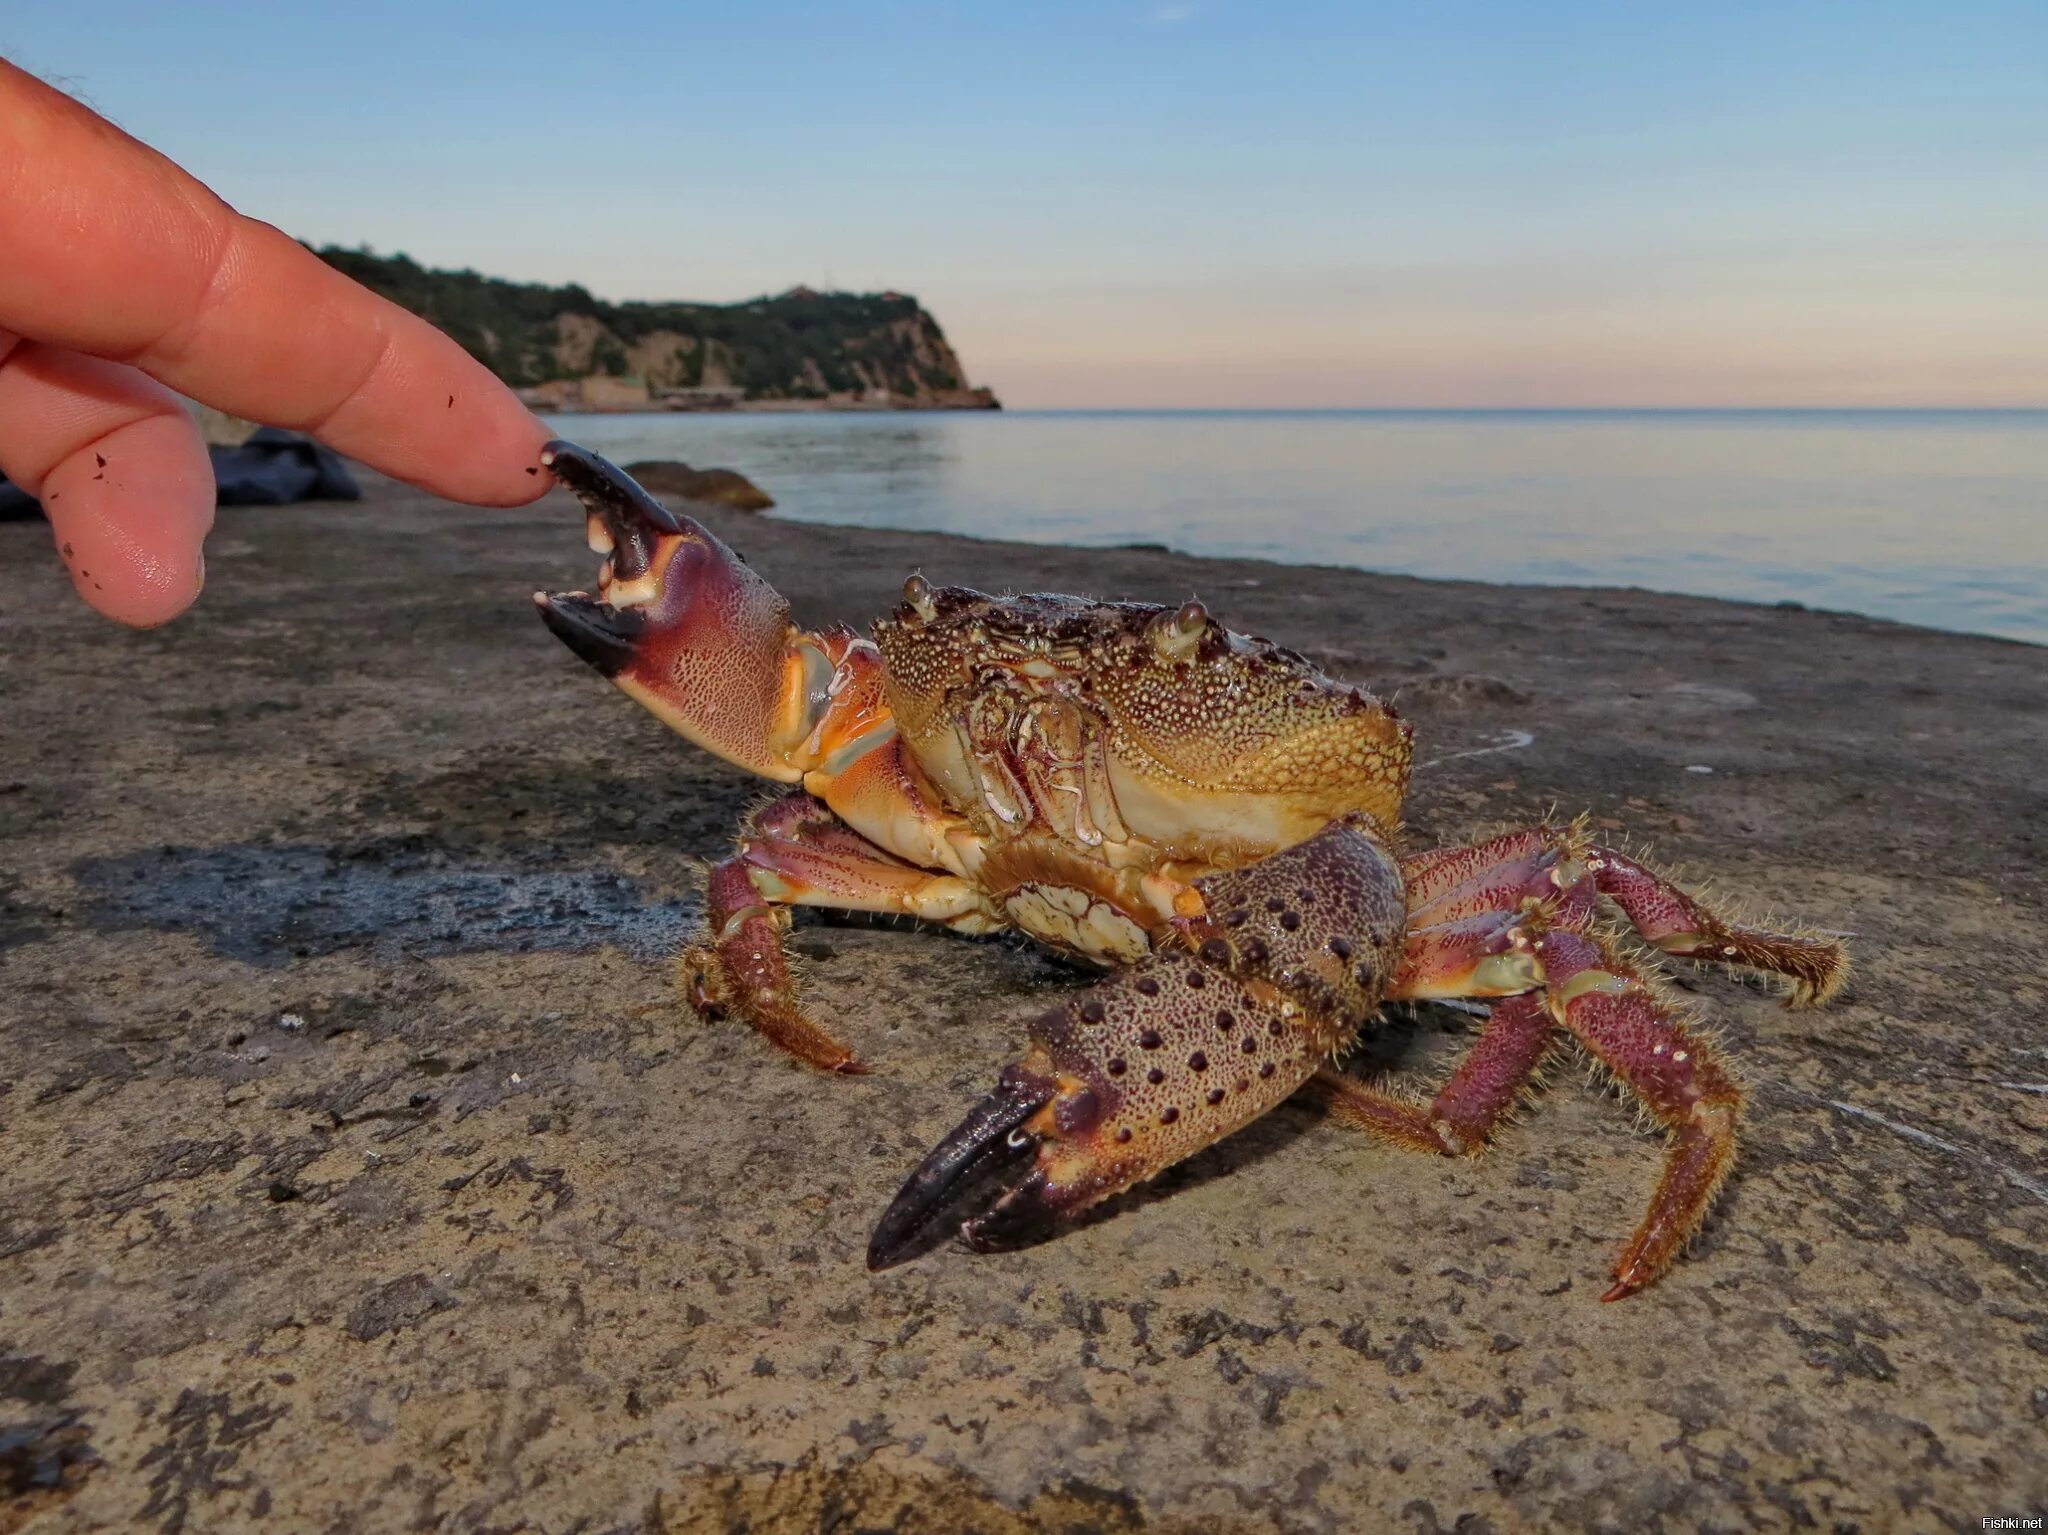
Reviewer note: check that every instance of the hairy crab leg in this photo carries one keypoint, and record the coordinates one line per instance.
(1679, 1077)
(1516, 914)
(1451, 883)
(1172, 1054)
(1549, 863)
(1580, 983)
(1680, 924)
(795, 852)
(739, 967)
(1461, 1118)
(1491, 910)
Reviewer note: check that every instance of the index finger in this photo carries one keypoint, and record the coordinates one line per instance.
(114, 251)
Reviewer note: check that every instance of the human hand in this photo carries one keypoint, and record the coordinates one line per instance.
(121, 274)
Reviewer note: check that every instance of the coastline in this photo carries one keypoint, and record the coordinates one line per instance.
(543, 399)
(754, 407)
(1922, 518)
(362, 789)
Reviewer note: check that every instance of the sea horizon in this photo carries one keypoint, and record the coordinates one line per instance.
(1478, 410)
(1339, 410)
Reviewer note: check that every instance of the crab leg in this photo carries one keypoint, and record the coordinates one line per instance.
(1492, 903)
(1449, 883)
(1677, 923)
(1461, 1119)
(1560, 867)
(1172, 1054)
(1581, 984)
(1516, 915)
(794, 852)
(1676, 1075)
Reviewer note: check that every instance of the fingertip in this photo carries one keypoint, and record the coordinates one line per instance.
(149, 602)
(509, 469)
(121, 473)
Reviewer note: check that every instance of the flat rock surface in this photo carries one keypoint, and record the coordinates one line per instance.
(359, 1169)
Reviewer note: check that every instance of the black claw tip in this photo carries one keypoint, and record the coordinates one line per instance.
(978, 1161)
(1021, 1218)
(604, 487)
(602, 635)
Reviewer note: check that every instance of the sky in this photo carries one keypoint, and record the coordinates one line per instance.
(1181, 203)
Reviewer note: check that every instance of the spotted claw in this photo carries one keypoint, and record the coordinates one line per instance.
(1235, 1010)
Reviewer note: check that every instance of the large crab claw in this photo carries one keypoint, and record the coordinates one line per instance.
(681, 624)
(1235, 1010)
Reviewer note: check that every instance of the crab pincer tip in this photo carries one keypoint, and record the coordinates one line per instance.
(971, 1168)
(605, 636)
(606, 489)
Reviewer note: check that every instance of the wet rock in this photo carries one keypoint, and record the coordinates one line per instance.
(351, 790)
(268, 904)
(719, 487)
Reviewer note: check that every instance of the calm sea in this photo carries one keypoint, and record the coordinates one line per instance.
(1930, 517)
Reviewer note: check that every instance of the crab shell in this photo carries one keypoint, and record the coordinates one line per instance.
(1135, 732)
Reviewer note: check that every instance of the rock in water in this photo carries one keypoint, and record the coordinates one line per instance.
(721, 487)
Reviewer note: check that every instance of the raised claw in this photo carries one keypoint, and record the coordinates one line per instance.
(1236, 1010)
(681, 624)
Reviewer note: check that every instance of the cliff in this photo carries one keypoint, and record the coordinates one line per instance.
(565, 347)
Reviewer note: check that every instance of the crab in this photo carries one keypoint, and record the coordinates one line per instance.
(1200, 813)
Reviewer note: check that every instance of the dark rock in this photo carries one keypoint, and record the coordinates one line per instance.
(16, 503)
(719, 487)
(276, 468)
(272, 467)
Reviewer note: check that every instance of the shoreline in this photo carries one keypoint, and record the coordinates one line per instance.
(1910, 518)
(1588, 591)
(747, 407)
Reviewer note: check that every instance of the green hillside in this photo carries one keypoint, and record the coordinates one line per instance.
(794, 346)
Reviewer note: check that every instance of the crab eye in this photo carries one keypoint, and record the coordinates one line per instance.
(918, 593)
(1176, 634)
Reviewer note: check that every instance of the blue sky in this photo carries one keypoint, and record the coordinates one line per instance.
(1182, 202)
